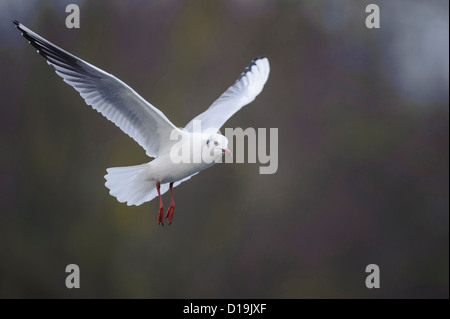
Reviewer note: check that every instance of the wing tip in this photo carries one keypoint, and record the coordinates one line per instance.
(260, 58)
(252, 63)
(19, 26)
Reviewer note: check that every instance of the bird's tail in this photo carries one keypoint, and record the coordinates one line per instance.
(127, 185)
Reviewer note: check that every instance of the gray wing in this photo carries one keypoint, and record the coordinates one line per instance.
(249, 84)
(115, 100)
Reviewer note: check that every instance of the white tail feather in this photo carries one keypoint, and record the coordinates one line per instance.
(127, 185)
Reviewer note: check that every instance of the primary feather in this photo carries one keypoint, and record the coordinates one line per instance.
(119, 103)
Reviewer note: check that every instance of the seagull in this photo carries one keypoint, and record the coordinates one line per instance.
(150, 128)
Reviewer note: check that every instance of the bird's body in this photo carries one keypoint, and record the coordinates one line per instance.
(165, 170)
(179, 153)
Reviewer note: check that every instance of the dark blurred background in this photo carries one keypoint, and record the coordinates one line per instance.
(363, 175)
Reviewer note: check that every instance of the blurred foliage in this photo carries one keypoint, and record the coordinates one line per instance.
(363, 154)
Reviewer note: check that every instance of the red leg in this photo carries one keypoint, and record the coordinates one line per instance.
(169, 213)
(161, 208)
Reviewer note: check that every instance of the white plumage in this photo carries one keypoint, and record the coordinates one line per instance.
(147, 125)
(249, 84)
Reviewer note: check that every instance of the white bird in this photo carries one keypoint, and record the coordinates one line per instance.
(149, 127)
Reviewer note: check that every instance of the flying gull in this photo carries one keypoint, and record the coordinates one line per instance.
(149, 127)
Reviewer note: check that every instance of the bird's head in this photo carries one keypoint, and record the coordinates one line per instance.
(217, 145)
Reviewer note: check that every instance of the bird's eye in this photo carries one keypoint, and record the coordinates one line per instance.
(207, 142)
(216, 143)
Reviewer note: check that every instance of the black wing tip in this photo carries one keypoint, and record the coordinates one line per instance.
(253, 62)
(249, 67)
(19, 26)
(259, 58)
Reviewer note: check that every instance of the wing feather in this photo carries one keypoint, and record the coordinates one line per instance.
(115, 100)
(249, 84)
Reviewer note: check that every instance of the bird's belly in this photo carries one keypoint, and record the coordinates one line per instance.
(165, 171)
(181, 171)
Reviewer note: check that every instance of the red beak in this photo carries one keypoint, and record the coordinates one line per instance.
(226, 151)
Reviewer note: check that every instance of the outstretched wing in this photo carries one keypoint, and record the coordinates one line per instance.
(119, 103)
(241, 93)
